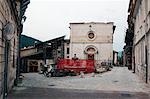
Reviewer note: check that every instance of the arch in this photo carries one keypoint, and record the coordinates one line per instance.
(91, 49)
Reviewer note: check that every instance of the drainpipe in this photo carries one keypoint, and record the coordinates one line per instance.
(146, 63)
(133, 58)
(18, 59)
(146, 50)
(5, 90)
(146, 57)
(19, 42)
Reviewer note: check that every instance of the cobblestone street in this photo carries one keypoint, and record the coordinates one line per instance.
(119, 79)
(112, 83)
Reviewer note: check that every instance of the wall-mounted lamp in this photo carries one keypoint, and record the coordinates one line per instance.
(8, 31)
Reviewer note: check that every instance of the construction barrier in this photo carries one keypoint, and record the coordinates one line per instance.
(76, 66)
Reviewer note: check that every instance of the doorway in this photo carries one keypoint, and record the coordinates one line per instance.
(33, 69)
(91, 51)
(33, 66)
(90, 56)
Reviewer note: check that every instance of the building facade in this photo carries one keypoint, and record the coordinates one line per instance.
(34, 57)
(10, 28)
(28, 49)
(92, 41)
(128, 48)
(139, 19)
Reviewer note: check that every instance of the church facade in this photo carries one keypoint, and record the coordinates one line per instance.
(93, 40)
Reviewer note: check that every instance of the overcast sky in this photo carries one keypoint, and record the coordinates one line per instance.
(47, 19)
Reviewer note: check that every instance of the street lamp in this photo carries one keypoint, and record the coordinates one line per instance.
(8, 32)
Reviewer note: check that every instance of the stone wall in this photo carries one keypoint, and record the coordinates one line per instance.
(5, 17)
(141, 38)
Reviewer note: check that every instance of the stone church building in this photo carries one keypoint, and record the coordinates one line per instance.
(92, 40)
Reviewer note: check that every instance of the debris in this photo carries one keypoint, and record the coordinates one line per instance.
(93, 74)
(81, 74)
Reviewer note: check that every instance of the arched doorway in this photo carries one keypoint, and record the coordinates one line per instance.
(90, 52)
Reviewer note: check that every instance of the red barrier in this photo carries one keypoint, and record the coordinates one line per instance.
(76, 66)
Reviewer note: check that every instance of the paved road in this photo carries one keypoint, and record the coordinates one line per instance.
(120, 83)
(119, 79)
(53, 93)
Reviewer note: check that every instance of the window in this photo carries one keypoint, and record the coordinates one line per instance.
(14, 42)
(14, 61)
(58, 51)
(67, 50)
(91, 35)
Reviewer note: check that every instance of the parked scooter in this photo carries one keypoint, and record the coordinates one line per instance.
(47, 70)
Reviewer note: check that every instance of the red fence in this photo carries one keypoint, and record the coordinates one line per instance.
(76, 66)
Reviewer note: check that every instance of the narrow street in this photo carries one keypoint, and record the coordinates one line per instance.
(120, 83)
